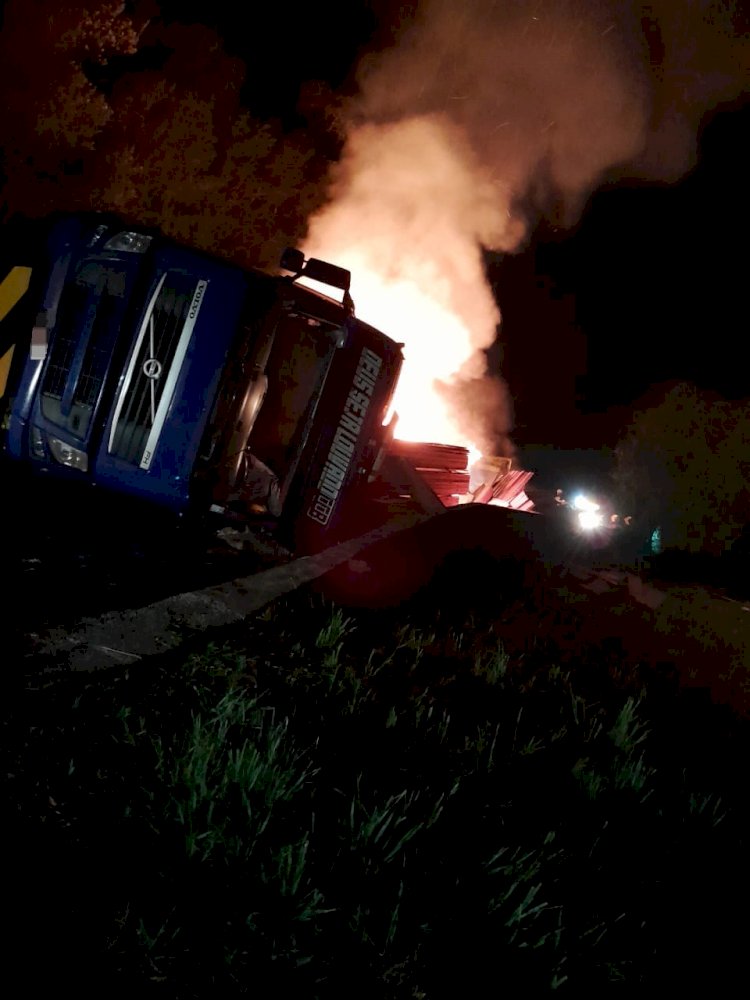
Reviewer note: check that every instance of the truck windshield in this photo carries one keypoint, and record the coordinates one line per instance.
(301, 355)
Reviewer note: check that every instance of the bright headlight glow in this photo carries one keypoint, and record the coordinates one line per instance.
(580, 502)
(590, 519)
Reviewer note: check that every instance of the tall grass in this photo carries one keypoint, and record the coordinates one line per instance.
(229, 774)
(346, 808)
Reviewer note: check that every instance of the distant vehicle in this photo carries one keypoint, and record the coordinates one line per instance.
(152, 370)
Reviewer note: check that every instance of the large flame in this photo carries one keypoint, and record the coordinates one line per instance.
(409, 212)
(436, 343)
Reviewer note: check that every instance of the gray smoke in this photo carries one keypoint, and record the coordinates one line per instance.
(487, 116)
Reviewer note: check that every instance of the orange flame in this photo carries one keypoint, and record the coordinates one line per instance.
(409, 211)
(436, 346)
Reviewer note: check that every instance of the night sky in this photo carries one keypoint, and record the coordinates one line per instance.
(650, 287)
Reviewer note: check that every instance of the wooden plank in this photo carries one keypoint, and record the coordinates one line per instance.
(428, 455)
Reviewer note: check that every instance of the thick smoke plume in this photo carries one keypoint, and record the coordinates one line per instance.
(411, 207)
(483, 118)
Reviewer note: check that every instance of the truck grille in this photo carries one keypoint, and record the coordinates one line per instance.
(79, 356)
(154, 368)
(97, 356)
(72, 314)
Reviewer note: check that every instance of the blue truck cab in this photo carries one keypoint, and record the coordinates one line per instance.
(150, 369)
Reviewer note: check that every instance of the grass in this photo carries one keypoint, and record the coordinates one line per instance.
(404, 804)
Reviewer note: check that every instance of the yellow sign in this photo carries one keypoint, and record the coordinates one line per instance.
(12, 288)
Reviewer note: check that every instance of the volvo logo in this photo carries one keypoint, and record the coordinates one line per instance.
(152, 368)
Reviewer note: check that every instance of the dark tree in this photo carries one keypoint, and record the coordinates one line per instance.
(122, 112)
(684, 464)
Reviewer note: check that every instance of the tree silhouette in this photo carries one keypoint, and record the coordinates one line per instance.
(684, 464)
(87, 127)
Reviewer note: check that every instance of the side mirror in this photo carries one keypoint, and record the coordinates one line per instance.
(292, 260)
(328, 274)
(316, 270)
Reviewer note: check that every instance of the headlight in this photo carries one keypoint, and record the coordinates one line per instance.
(66, 454)
(131, 242)
(590, 519)
(580, 502)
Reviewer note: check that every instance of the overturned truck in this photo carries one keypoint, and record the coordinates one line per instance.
(152, 370)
